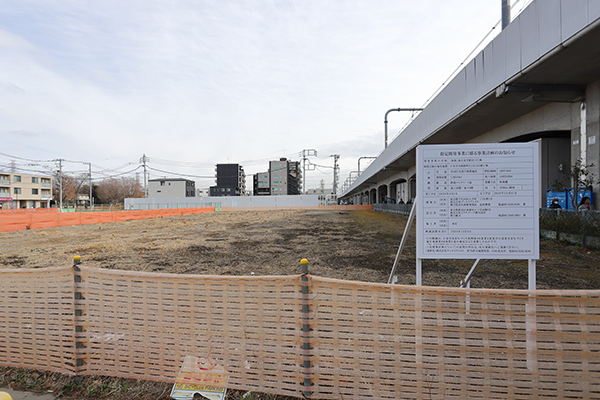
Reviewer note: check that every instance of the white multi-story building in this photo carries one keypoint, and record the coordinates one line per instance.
(20, 190)
(171, 187)
(326, 196)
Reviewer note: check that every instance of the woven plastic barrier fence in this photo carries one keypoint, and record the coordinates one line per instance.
(37, 319)
(382, 341)
(142, 325)
(15, 222)
(364, 341)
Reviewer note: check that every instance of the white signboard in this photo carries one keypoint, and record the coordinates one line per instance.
(478, 201)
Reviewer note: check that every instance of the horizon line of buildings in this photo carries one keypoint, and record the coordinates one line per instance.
(284, 177)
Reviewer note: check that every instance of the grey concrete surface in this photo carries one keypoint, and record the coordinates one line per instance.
(16, 395)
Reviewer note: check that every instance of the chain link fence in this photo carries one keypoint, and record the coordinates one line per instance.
(581, 227)
(571, 225)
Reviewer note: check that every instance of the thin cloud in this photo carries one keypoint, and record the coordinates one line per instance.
(214, 81)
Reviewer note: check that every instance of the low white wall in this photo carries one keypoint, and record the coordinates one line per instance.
(220, 202)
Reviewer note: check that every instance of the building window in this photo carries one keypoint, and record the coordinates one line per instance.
(34, 191)
(17, 178)
(34, 180)
(162, 183)
(17, 190)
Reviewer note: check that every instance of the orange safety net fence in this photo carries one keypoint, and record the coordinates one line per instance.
(366, 341)
(22, 221)
(363, 207)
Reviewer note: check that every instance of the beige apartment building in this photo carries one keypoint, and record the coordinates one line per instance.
(20, 190)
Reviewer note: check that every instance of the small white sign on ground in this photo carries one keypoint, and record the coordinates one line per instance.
(201, 375)
(478, 201)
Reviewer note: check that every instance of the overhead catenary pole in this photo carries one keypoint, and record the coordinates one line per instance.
(505, 13)
(361, 158)
(305, 154)
(385, 121)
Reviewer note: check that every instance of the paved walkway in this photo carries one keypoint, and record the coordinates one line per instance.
(28, 396)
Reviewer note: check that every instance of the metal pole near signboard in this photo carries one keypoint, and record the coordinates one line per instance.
(407, 228)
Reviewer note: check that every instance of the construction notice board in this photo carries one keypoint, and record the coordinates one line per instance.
(478, 201)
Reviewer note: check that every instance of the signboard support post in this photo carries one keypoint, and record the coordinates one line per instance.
(411, 218)
(532, 274)
(467, 281)
(419, 272)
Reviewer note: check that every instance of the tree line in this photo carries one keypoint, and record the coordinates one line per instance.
(106, 191)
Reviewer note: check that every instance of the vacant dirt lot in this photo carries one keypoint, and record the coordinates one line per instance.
(355, 245)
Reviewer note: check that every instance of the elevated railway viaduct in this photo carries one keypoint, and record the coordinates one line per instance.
(539, 79)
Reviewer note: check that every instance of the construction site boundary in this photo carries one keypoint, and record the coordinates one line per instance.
(39, 220)
(304, 336)
(323, 208)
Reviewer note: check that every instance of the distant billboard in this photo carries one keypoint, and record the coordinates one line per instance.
(478, 201)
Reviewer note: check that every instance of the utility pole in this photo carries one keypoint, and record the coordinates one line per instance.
(336, 170)
(60, 183)
(91, 198)
(145, 188)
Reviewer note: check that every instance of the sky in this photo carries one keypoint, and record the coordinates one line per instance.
(190, 84)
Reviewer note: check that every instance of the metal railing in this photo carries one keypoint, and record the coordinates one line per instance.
(403, 209)
(571, 225)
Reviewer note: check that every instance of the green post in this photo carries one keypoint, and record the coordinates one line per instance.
(305, 329)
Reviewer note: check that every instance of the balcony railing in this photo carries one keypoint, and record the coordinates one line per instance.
(44, 184)
(4, 182)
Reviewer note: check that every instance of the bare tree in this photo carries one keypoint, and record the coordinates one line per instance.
(580, 177)
(69, 190)
(116, 190)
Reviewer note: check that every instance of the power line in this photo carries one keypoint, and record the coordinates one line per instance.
(178, 174)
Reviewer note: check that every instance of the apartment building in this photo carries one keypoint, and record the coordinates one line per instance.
(231, 181)
(285, 178)
(262, 184)
(21, 190)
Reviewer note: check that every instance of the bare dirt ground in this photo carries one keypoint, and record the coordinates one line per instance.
(353, 245)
